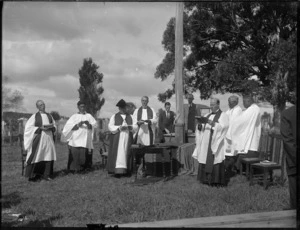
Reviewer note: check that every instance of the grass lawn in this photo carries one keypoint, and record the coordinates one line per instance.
(74, 200)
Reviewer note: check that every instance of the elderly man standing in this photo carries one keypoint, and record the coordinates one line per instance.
(246, 130)
(233, 112)
(39, 144)
(210, 142)
(78, 132)
(146, 120)
(122, 127)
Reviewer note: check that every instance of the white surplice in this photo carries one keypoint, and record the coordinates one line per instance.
(217, 142)
(232, 116)
(246, 130)
(144, 133)
(82, 137)
(121, 161)
(46, 148)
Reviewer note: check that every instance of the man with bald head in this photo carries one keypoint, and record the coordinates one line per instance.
(209, 151)
(39, 144)
(233, 112)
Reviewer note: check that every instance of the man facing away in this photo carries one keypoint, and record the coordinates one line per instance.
(78, 132)
(39, 144)
(233, 112)
(209, 151)
(166, 121)
(246, 130)
(288, 129)
(122, 127)
(146, 120)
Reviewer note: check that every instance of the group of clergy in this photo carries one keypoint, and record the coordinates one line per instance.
(217, 135)
(229, 135)
(126, 129)
(39, 142)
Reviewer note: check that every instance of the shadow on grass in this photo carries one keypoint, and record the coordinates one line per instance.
(96, 166)
(32, 223)
(12, 199)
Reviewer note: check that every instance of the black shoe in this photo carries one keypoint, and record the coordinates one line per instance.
(34, 179)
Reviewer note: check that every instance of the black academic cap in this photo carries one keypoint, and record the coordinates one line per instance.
(121, 104)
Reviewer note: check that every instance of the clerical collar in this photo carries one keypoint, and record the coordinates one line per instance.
(82, 113)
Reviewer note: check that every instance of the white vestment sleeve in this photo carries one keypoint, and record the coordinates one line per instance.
(67, 130)
(111, 125)
(198, 140)
(220, 130)
(243, 128)
(29, 132)
(154, 119)
(134, 124)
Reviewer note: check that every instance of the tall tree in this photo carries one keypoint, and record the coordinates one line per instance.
(12, 100)
(235, 47)
(55, 115)
(91, 89)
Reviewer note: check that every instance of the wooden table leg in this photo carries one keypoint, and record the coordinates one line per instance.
(171, 163)
(163, 163)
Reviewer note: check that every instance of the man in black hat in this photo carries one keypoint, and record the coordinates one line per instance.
(78, 132)
(122, 127)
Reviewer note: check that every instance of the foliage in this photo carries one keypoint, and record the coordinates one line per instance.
(55, 115)
(233, 47)
(130, 107)
(90, 90)
(11, 100)
(74, 200)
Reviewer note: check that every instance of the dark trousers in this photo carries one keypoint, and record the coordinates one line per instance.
(41, 169)
(79, 158)
(293, 190)
(88, 159)
(230, 162)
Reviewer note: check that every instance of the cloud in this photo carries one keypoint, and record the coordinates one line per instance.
(41, 20)
(44, 44)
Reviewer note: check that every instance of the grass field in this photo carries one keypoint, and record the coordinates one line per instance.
(74, 200)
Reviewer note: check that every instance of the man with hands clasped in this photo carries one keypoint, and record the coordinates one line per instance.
(146, 120)
(122, 127)
(39, 144)
(78, 132)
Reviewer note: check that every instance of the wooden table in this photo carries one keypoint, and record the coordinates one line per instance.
(139, 151)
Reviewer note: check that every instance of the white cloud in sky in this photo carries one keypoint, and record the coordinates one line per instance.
(44, 44)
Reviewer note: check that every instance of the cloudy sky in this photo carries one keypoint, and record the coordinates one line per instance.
(44, 44)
